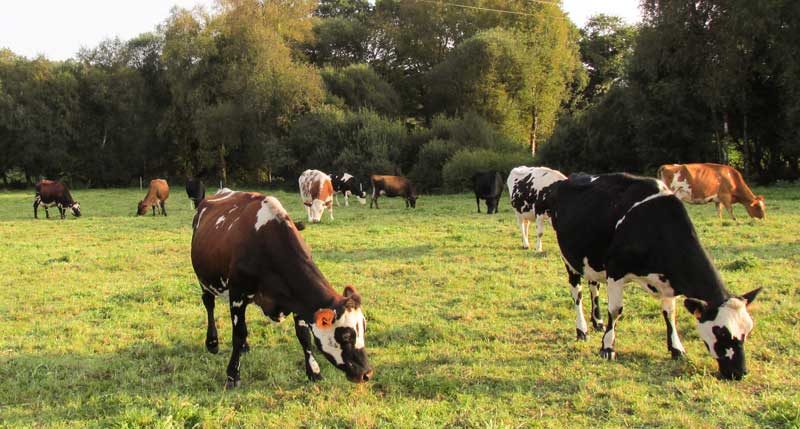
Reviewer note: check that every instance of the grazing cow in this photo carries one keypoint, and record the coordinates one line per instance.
(245, 245)
(488, 185)
(617, 228)
(316, 191)
(704, 183)
(196, 190)
(525, 185)
(51, 193)
(348, 185)
(393, 186)
(156, 197)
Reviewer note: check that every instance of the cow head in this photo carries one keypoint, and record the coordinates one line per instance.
(76, 209)
(361, 194)
(756, 208)
(412, 201)
(339, 333)
(142, 209)
(724, 329)
(317, 208)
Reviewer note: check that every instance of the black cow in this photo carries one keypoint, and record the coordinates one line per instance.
(488, 185)
(618, 228)
(196, 190)
(51, 193)
(348, 185)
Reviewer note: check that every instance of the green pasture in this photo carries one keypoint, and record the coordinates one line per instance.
(101, 325)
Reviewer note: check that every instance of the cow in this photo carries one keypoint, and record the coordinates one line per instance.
(316, 191)
(488, 185)
(704, 183)
(196, 190)
(156, 197)
(525, 185)
(51, 193)
(348, 185)
(393, 186)
(619, 228)
(246, 246)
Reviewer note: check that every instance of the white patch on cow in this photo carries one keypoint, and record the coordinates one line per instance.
(681, 188)
(233, 209)
(224, 282)
(222, 194)
(312, 363)
(569, 266)
(729, 353)
(663, 287)
(638, 203)
(200, 216)
(590, 274)
(302, 323)
(219, 221)
(270, 209)
(232, 223)
(352, 319)
(235, 319)
(223, 191)
(251, 296)
(592, 179)
(346, 177)
(732, 315)
(237, 304)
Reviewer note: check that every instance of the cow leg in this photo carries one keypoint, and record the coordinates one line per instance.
(308, 212)
(239, 328)
(36, 203)
(614, 312)
(336, 198)
(673, 341)
(330, 212)
(577, 298)
(597, 320)
(62, 212)
(524, 230)
(539, 232)
(303, 333)
(212, 340)
(478, 202)
(154, 209)
(719, 209)
(726, 201)
(47, 212)
(347, 198)
(163, 208)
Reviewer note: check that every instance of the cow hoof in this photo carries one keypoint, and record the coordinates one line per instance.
(312, 377)
(581, 336)
(525, 247)
(608, 354)
(212, 346)
(232, 384)
(677, 354)
(599, 327)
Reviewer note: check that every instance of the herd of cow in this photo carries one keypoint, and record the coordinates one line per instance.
(611, 228)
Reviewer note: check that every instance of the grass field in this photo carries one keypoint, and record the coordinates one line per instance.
(102, 326)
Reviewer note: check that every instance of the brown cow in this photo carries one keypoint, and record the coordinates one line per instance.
(245, 245)
(316, 191)
(156, 196)
(51, 193)
(704, 183)
(393, 186)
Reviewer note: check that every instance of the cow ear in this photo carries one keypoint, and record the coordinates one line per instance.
(751, 296)
(308, 204)
(324, 318)
(349, 291)
(760, 198)
(353, 298)
(695, 306)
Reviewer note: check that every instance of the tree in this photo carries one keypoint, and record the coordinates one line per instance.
(606, 43)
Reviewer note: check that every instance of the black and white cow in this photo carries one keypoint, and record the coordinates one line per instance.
(488, 185)
(196, 190)
(524, 186)
(618, 228)
(348, 185)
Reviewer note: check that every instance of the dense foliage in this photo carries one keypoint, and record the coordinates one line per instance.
(256, 92)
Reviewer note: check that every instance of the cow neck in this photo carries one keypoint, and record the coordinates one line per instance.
(701, 280)
(744, 193)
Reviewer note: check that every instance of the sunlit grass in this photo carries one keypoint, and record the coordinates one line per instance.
(102, 325)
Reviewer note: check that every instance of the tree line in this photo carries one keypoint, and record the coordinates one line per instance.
(254, 92)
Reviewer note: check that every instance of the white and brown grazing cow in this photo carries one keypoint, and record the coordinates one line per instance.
(247, 247)
(51, 193)
(393, 186)
(156, 197)
(704, 183)
(316, 191)
(525, 185)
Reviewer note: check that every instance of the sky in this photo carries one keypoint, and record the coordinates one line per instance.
(59, 28)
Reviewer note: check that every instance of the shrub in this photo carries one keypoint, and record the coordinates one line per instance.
(458, 171)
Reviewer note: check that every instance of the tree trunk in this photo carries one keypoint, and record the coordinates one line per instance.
(534, 128)
(746, 148)
(223, 168)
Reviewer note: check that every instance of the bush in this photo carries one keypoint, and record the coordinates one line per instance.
(458, 171)
(427, 173)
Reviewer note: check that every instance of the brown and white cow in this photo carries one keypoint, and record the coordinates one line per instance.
(51, 193)
(393, 186)
(704, 183)
(245, 245)
(156, 196)
(316, 191)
